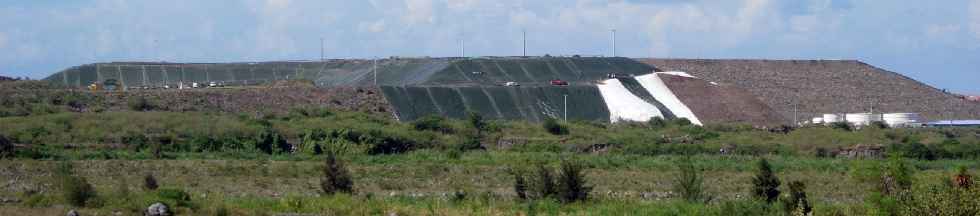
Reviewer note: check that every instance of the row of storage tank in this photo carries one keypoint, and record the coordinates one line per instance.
(864, 119)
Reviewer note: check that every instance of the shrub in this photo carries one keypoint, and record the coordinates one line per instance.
(177, 196)
(432, 123)
(140, 103)
(336, 178)
(520, 185)
(476, 121)
(391, 145)
(571, 182)
(797, 202)
(657, 122)
(150, 182)
(690, 183)
(681, 122)
(552, 126)
(841, 126)
(271, 142)
(544, 185)
(962, 179)
(470, 143)
(77, 191)
(765, 184)
(6, 147)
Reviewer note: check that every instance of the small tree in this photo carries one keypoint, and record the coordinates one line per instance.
(571, 182)
(336, 178)
(150, 182)
(690, 183)
(765, 184)
(797, 202)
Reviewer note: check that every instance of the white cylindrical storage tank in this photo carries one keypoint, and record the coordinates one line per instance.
(862, 119)
(817, 120)
(832, 118)
(900, 119)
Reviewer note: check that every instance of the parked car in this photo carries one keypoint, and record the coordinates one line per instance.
(512, 84)
(559, 83)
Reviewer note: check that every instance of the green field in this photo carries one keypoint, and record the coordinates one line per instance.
(267, 163)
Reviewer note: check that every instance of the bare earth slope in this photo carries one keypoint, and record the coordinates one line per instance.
(826, 86)
(721, 103)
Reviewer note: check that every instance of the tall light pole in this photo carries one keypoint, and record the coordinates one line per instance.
(321, 49)
(375, 71)
(524, 39)
(565, 115)
(614, 42)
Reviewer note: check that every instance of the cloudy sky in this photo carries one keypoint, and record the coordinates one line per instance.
(937, 42)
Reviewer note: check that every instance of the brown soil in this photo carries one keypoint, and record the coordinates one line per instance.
(826, 86)
(721, 103)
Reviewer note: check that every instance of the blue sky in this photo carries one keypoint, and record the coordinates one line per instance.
(937, 42)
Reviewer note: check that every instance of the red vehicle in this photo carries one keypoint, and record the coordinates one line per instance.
(559, 83)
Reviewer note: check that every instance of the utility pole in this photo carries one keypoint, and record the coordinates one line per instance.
(565, 115)
(321, 49)
(375, 71)
(524, 39)
(614, 42)
(796, 116)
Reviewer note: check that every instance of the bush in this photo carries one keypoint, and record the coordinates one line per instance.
(797, 202)
(336, 178)
(681, 122)
(765, 184)
(432, 123)
(271, 142)
(476, 121)
(470, 143)
(544, 184)
(690, 183)
(140, 103)
(391, 145)
(552, 126)
(571, 182)
(520, 185)
(176, 196)
(657, 122)
(150, 182)
(77, 191)
(841, 126)
(6, 147)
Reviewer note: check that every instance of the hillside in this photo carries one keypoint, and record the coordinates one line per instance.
(826, 86)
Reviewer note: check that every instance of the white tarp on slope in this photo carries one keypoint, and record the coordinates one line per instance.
(653, 84)
(624, 105)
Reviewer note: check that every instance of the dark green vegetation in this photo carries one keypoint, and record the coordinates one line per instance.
(337, 162)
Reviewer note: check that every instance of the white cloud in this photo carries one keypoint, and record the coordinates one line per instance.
(373, 27)
(419, 11)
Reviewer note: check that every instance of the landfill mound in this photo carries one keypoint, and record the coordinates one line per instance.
(497, 102)
(358, 72)
(815, 87)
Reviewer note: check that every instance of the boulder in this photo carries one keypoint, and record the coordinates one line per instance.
(158, 209)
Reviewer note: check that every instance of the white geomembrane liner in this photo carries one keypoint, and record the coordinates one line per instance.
(624, 105)
(653, 84)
